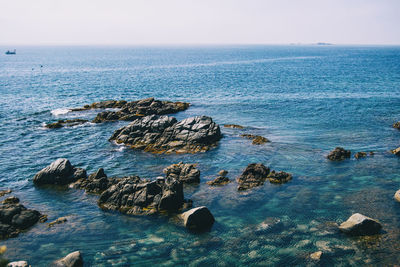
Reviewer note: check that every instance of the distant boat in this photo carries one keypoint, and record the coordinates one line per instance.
(11, 52)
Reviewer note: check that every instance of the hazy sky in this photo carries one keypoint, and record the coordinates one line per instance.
(199, 22)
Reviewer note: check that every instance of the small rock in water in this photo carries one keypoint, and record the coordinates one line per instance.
(198, 219)
(254, 175)
(5, 192)
(58, 221)
(220, 180)
(279, 177)
(11, 200)
(187, 173)
(397, 195)
(396, 151)
(358, 224)
(257, 139)
(18, 264)
(234, 126)
(73, 259)
(65, 123)
(222, 173)
(338, 154)
(316, 255)
(396, 125)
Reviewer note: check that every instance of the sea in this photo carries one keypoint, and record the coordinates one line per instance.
(306, 99)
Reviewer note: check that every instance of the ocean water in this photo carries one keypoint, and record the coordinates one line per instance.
(306, 99)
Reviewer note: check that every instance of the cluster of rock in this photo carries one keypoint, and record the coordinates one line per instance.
(163, 134)
(65, 123)
(256, 139)
(15, 217)
(184, 172)
(221, 179)
(338, 154)
(256, 174)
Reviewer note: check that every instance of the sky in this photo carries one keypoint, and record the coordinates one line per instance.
(141, 22)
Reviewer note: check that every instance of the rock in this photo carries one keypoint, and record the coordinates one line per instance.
(60, 172)
(14, 218)
(18, 264)
(65, 123)
(397, 195)
(102, 105)
(5, 192)
(316, 255)
(396, 125)
(254, 175)
(198, 219)
(279, 177)
(11, 200)
(359, 155)
(58, 221)
(131, 195)
(396, 151)
(257, 139)
(220, 180)
(339, 153)
(131, 111)
(234, 126)
(96, 183)
(73, 259)
(358, 224)
(269, 225)
(222, 173)
(187, 173)
(163, 134)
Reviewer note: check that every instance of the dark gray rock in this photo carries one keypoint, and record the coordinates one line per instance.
(254, 175)
(96, 183)
(338, 154)
(60, 172)
(198, 219)
(163, 134)
(185, 172)
(65, 123)
(73, 259)
(358, 224)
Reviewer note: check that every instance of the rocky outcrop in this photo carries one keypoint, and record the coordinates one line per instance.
(397, 195)
(163, 134)
(221, 179)
(233, 126)
(102, 105)
(131, 195)
(279, 177)
(198, 219)
(396, 151)
(358, 224)
(396, 125)
(73, 259)
(186, 173)
(60, 172)
(96, 183)
(338, 154)
(136, 109)
(5, 192)
(254, 175)
(257, 139)
(65, 123)
(14, 218)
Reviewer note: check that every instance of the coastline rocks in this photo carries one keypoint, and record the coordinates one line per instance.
(65, 123)
(198, 219)
(221, 179)
(14, 218)
(131, 195)
(358, 224)
(397, 195)
(254, 175)
(73, 259)
(233, 126)
(396, 125)
(96, 183)
(257, 139)
(135, 109)
(187, 173)
(279, 177)
(60, 172)
(396, 151)
(338, 154)
(163, 134)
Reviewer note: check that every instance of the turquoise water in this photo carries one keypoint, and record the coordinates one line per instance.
(305, 99)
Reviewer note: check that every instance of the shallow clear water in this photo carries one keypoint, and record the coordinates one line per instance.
(305, 99)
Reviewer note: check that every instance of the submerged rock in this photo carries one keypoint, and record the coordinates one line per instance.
(257, 139)
(396, 125)
(60, 172)
(338, 154)
(65, 123)
(397, 195)
(130, 111)
(279, 177)
(198, 219)
(73, 259)
(14, 218)
(316, 255)
(131, 195)
(187, 173)
(396, 151)
(254, 175)
(233, 126)
(270, 224)
(163, 134)
(358, 224)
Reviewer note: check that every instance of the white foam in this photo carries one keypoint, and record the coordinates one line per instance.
(60, 111)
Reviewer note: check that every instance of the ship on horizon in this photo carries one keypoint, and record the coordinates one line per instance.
(8, 52)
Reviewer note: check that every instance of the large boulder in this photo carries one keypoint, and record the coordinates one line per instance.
(338, 154)
(254, 175)
(198, 219)
(131, 195)
(163, 134)
(60, 172)
(185, 172)
(73, 259)
(358, 224)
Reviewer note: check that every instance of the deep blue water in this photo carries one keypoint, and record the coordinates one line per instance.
(305, 99)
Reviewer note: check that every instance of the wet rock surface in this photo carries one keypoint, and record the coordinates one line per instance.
(257, 139)
(279, 177)
(185, 172)
(221, 179)
(338, 154)
(96, 183)
(163, 134)
(73, 259)
(233, 126)
(254, 175)
(396, 125)
(60, 172)
(5, 192)
(14, 218)
(65, 123)
(198, 219)
(358, 224)
(396, 151)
